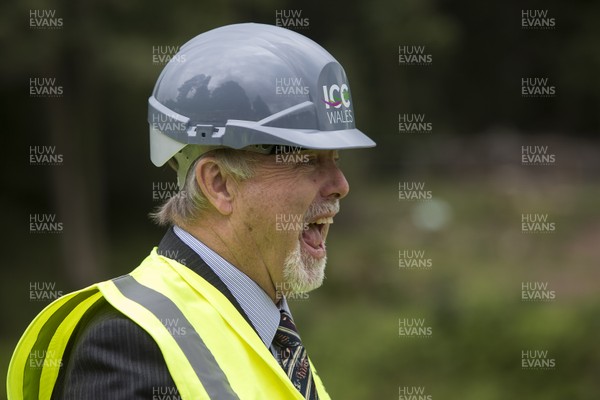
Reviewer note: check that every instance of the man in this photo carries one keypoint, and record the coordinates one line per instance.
(251, 117)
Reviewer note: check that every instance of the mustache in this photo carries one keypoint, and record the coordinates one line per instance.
(326, 207)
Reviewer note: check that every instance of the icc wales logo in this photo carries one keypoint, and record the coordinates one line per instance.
(336, 96)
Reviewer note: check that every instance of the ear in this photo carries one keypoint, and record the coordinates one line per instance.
(216, 186)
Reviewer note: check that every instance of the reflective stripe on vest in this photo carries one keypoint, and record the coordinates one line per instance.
(38, 356)
(200, 358)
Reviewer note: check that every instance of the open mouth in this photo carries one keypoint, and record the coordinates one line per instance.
(314, 235)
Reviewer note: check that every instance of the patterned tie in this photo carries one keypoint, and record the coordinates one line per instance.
(293, 357)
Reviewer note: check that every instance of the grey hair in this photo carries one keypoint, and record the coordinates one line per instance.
(189, 203)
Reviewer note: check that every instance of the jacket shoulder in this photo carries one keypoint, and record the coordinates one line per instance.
(110, 356)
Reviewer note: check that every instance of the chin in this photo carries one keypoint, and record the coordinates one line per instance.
(302, 272)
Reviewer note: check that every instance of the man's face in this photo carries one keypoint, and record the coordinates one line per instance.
(284, 213)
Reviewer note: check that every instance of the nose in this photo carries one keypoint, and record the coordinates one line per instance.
(336, 186)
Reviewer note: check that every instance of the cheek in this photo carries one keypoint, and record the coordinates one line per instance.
(289, 197)
(278, 217)
(277, 196)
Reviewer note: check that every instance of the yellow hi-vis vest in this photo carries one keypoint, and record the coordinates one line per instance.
(219, 357)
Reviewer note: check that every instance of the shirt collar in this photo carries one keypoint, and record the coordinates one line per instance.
(258, 306)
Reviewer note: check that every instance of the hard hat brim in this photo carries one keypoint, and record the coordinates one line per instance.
(247, 133)
(240, 134)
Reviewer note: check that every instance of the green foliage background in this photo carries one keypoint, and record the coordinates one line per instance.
(470, 162)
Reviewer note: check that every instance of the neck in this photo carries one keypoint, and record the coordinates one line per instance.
(226, 244)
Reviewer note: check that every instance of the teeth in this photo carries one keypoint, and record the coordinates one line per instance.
(325, 220)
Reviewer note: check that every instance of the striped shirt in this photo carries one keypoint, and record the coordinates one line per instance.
(258, 306)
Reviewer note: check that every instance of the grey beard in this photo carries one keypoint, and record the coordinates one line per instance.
(301, 272)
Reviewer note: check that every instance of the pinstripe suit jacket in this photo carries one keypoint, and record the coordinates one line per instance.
(111, 357)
